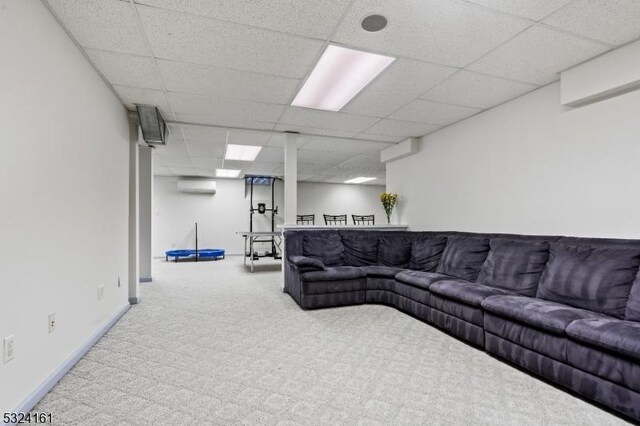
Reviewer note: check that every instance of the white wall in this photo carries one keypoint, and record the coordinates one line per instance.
(328, 198)
(64, 172)
(221, 215)
(528, 166)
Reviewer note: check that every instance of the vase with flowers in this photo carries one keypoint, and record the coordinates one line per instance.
(388, 203)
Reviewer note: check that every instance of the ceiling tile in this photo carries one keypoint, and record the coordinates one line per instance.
(207, 163)
(185, 171)
(477, 90)
(537, 55)
(104, 24)
(240, 137)
(401, 82)
(127, 70)
(309, 18)
(402, 129)
(217, 121)
(205, 150)
(262, 168)
(133, 95)
(612, 21)
(313, 130)
(205, 134)
(206, 41)
(224, 109)
(237, 165)
(329, 158)
(344, 145)
(161, 171)
(175, 148)
(227, 83)
(363, 161)
(270, 154)
(438, 31)
(379, 138)
(175, 161)
(422, 111)
(326, 119)
(535, 10)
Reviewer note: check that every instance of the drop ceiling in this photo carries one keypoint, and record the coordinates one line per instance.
(238, 64)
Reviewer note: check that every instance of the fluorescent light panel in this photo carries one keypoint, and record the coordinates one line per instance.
(242, 152)
(360, 180)
(339, 75)
(227, 173)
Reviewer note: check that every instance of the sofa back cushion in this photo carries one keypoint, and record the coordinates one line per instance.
(463, 257)
(515, 265)
(394, 249)
(360, 247)
(426, 252)
(632, 313)
(590, 277)
(324, 245)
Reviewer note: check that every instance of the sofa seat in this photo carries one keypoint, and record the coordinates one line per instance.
(335, 273)
(420, 279)
(621, 337)
(381, 271)
(549, 316)
(607, 348)
(464, 291)
(337, 279)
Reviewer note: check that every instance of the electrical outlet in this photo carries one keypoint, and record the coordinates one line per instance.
(52, 322)
(100, 292)
(9, 348)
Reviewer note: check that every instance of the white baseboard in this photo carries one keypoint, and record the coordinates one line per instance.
(35, 396)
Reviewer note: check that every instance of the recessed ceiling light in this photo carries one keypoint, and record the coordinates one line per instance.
(339, 75)
(360, 180)
(227, 173)
(374, 23)
(242, 152)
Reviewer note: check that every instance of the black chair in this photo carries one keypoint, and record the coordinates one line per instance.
(363, 219)
(331, 219)
(306, 219)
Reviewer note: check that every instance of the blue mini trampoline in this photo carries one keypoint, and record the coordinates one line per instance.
(196, 254)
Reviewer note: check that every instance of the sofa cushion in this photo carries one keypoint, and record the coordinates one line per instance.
(420, 279)
(360, 248)
(324, 245)
(336, 273)
(464, 291)
(549, 316)
(463, 257)
(394, 249)
(426, 253)
(515, 265)
(598, 279)
(381, 271)
(622, 337)
(305, 263)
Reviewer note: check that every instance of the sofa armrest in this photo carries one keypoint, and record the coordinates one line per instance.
(305, 263)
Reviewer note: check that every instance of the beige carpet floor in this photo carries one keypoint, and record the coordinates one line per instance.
(213, 344)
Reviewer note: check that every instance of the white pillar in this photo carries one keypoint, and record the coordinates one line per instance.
(290, 178)
(145, 194)
(134, 236)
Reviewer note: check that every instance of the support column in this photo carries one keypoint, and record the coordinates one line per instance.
(290, 178)
(145, 194)
(134, 236)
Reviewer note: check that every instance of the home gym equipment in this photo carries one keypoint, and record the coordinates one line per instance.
(196, 254)
(271, 236)
(253, 237)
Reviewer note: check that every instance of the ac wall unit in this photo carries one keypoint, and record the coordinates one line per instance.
(197, 186)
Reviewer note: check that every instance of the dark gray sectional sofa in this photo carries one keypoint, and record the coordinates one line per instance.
(565, 308)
